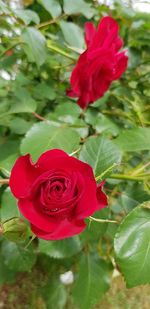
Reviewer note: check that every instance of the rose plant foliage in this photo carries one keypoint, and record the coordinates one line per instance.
(74, 147)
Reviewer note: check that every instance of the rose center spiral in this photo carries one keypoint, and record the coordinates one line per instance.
(58, 195)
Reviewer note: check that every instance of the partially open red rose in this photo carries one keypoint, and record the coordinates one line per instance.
(56, 193)
(100, 64)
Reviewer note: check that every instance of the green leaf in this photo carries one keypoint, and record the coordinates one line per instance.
(81, 128)
(5, 119)
(8, 155)
(100, 153)
(77, 7)
(101, 123)
(43, 136)
(16, 257)
(95, 230)
(45, 91)
(61, 248)
(136, 139)
(7, 149)
(92, 283)
(101, 103)
(70, 113)
(6, 275)
(22, 79)
(54, 294)
(133, 195)
(27, 16)
(34, 45)
(132, 246)
(104, 124)
(126, 202)
(9, 207)
(73, 34)
(7, 164)
(67, 112)
(51, 6)
(4, 106)
(19, 125)
(24, 103)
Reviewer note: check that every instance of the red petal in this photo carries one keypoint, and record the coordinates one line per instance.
(100, 89)
(39, 220)
(62, 230)
(101, 196)
(78, 69)
(104, 28)
(106, 25)
(90, 31)
(121, 65)
(22, 176)
(47, 159)
(70, 93)
(84, 99)
(88, 203)
(118, 43)
(65, 162)
(75, 79)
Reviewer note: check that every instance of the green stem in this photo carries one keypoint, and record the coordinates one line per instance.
(30, 241)
(125, 177)
(105, 172)
(103, 220)
(139, 169)
(39, 117)
(144, 175)
(50, 22)
(59, 51)
(74, 152)
(4, 181)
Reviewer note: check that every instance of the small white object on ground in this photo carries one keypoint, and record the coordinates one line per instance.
(67, 277)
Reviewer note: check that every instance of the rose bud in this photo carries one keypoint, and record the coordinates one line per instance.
(56, 193)
(100, 64)
(15, 229)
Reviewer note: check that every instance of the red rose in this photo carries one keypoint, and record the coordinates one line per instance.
(100, 64)
(56, 193)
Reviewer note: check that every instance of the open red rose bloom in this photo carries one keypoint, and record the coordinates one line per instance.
(56, 193)
(100, 64)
